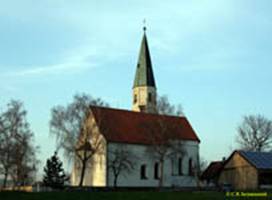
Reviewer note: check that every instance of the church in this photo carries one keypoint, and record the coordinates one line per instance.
(135, 131)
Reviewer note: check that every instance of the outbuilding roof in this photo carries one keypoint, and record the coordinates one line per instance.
(213, 170)
(134, 127)
(261, 160)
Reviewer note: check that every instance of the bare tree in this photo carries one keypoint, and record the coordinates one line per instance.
(164, 107)
(76, 139)
(164, 143)
(121, 161)
(6, 149)
(25, 161)
(255, 133)
(90, 143)
(202, 166)
(17, 152)
(199, 168)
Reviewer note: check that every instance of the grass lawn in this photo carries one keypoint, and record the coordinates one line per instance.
(111, 195)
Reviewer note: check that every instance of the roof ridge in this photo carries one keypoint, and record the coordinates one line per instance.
(217, 161)
(251, 158)
(261, 152)
(137, 112)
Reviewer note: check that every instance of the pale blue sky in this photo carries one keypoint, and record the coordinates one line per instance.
(211, 56)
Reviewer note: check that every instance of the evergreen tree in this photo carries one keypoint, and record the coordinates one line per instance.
(54, 173)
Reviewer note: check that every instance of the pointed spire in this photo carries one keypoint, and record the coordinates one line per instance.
(144, 73)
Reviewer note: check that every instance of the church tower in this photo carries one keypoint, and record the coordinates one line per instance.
(144, 88)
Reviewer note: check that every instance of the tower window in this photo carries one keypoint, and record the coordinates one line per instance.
(135, 98)
(156, 170)
(142, 108)
(149, 97)
(143, 172)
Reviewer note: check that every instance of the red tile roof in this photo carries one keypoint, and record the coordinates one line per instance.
(129, 127)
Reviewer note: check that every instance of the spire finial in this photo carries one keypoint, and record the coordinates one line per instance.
(144, 23)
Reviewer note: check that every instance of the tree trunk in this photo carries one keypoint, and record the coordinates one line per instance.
(5, 179)
(115, 182)
(84, 162)
(82, 173)
(161, 174)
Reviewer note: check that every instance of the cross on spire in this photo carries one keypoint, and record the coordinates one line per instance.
(144, 23)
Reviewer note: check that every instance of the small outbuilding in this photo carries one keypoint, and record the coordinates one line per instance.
(247, 170)
(211, 174)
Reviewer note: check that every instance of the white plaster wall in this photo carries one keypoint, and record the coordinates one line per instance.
(95, 172)
(134, 179)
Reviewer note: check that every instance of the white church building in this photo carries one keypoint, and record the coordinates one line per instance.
(130, 130)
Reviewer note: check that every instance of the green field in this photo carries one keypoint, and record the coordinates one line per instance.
(111, 195)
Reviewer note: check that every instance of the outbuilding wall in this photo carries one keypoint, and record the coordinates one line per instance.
(239, 173)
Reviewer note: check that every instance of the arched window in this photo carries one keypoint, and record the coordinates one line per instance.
(142, 108)
(180, 166)
(156, 171)
(190, 167)
(135, 98)
(173, 166)
(143, 172)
